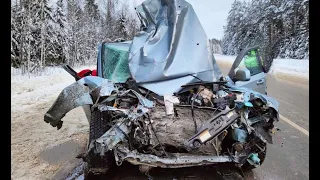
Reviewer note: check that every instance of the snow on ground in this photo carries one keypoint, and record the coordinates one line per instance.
(290, 69)
(37, 149)
(293, 67)
(30, 88)
(228, 59)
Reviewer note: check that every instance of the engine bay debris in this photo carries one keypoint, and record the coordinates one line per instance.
(224, 128)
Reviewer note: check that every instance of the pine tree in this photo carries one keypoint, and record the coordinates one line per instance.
(58, 48)
(92, 28)
(281, 28)
(91, 9)
(43, 35)
(233, 29)
(121, 29)
(15, 36)
(74, 28)
(215, 46)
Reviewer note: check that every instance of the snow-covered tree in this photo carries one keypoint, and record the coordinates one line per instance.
(30, 28)
(69, 31)
(126, 23)
(121, 28)
(281, 28)
(58, 39)
(215, 46)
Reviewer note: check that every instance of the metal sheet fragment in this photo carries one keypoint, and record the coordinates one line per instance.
(177, 160)
(110, 138)
(71, 97)
(169, 101)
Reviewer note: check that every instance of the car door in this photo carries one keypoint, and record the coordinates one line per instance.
(250, 59)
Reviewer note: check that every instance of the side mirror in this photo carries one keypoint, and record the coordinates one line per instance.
(242, 75)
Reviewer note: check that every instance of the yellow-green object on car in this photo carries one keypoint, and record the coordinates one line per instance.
(251, 60)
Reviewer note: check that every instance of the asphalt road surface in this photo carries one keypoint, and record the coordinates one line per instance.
(287, 157)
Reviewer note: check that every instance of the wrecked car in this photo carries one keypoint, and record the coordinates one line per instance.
(161, 100)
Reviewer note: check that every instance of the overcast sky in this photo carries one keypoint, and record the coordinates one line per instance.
(211, 13)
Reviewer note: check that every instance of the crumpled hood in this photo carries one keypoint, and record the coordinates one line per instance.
(173, 48)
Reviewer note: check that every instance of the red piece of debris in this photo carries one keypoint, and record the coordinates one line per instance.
(87, 72)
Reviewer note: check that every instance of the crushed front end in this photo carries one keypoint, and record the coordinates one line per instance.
(204, 123)
(164, 102)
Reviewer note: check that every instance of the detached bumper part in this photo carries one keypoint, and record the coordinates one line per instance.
(71, 97)
(178, 160)
(53, 122)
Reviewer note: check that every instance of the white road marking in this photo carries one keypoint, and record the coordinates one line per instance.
(294, 125)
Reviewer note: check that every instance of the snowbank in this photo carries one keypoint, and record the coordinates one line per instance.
(38, 86)
(224, 58)
(46, 79)
(291, 66)
(37, 149)
(297, 68)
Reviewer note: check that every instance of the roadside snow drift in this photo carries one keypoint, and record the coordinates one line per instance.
(38, 151)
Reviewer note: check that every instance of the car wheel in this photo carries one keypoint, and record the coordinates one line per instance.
(98, 126)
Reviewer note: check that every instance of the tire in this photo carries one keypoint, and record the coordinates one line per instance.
(247, 166)
(98, 126)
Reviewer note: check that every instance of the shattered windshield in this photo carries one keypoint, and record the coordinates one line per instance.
(114, 61)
